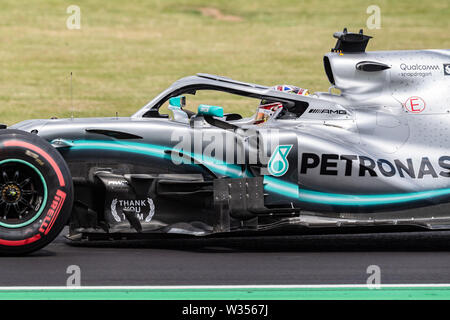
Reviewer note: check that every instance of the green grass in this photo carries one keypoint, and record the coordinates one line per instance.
(128, 51)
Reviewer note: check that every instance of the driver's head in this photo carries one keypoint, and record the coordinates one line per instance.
(267, 109)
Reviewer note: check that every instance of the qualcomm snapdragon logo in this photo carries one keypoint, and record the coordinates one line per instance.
(278, 163)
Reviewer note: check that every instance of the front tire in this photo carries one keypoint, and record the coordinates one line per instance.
(36, 192)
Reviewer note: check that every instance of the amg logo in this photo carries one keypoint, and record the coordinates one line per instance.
(328, 111)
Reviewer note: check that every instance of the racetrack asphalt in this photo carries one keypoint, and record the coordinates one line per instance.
(403, 258)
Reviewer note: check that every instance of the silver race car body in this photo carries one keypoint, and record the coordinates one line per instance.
(377, 153)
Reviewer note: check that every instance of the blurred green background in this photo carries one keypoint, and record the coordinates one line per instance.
(128, 51)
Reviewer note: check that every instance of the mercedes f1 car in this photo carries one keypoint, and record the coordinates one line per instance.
(374, 154)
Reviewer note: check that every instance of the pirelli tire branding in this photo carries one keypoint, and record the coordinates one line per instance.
(37, 199)
(53, 211)
(364, 166)
(143, 208)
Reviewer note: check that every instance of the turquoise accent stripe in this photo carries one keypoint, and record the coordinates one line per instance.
(292, 190)
(369, 200)
(152, 150)
(283, 188)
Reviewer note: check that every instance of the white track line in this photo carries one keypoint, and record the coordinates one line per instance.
(35, 288)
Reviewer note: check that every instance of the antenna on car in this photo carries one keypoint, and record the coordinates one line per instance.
(71, 96)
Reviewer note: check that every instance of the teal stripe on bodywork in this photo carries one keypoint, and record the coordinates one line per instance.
(290, 189)
(369, 200)
(153, 150)
(281, 187)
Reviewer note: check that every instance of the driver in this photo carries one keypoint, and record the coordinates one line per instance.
(266, 110)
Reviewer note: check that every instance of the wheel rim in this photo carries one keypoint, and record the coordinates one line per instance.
(23, 193)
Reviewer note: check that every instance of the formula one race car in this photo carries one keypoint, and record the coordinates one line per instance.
(375, 154)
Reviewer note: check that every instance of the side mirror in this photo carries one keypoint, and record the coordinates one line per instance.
(178, 102)
(212, 111)
(176, 111)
